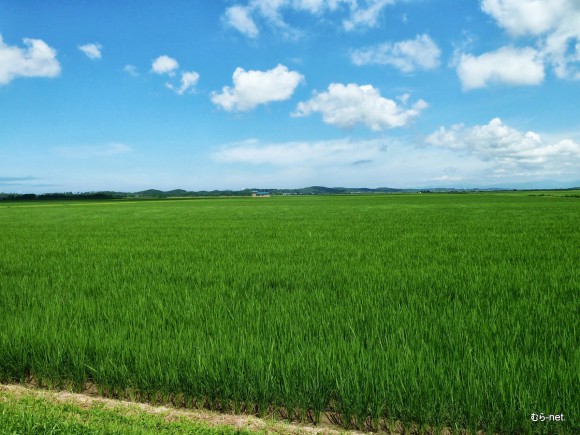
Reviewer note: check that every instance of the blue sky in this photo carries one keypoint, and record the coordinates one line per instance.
(233, 94)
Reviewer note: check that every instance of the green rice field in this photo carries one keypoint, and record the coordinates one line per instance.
(432, 310)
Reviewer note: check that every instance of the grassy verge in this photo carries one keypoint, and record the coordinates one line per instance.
(28, 412)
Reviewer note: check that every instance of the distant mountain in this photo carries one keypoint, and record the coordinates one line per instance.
(151, 193)
(312, 190)
(177, 192)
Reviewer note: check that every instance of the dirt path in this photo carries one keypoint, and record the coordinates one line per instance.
(251, 423)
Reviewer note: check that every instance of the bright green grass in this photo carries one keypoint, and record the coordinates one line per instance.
(33, 414)
(446, 310)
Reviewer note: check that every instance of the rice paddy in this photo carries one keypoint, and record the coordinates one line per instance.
(441, 310)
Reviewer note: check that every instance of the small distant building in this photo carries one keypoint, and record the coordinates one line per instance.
(256, 194)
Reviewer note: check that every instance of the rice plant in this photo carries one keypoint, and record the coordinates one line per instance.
(457, 311)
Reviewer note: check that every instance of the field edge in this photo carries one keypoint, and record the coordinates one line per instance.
(14, 396)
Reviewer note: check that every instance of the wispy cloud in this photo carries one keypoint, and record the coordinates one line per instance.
(362, 162)
(90, 151)
(17, 178)
(407, 56)
(247, 16)
(338, 152)
(188, 82)
(341, 162)
(131, 70)
(239, 17)
(92, 51)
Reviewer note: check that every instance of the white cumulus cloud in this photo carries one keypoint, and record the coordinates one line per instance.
(407, 56)
(554, 25)
(37, 59)
(515, 151)
(92, 51)
(521, 17)
(252, 88)
(348, 105)
(507, 65)
(164, 65)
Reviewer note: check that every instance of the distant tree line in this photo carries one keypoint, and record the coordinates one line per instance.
(180, 193)
(59, 196)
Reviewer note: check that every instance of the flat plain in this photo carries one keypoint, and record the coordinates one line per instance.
(432, 310)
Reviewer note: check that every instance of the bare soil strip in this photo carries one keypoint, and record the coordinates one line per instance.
(212, 419)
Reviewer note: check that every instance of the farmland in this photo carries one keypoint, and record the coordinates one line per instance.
(456, 310)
